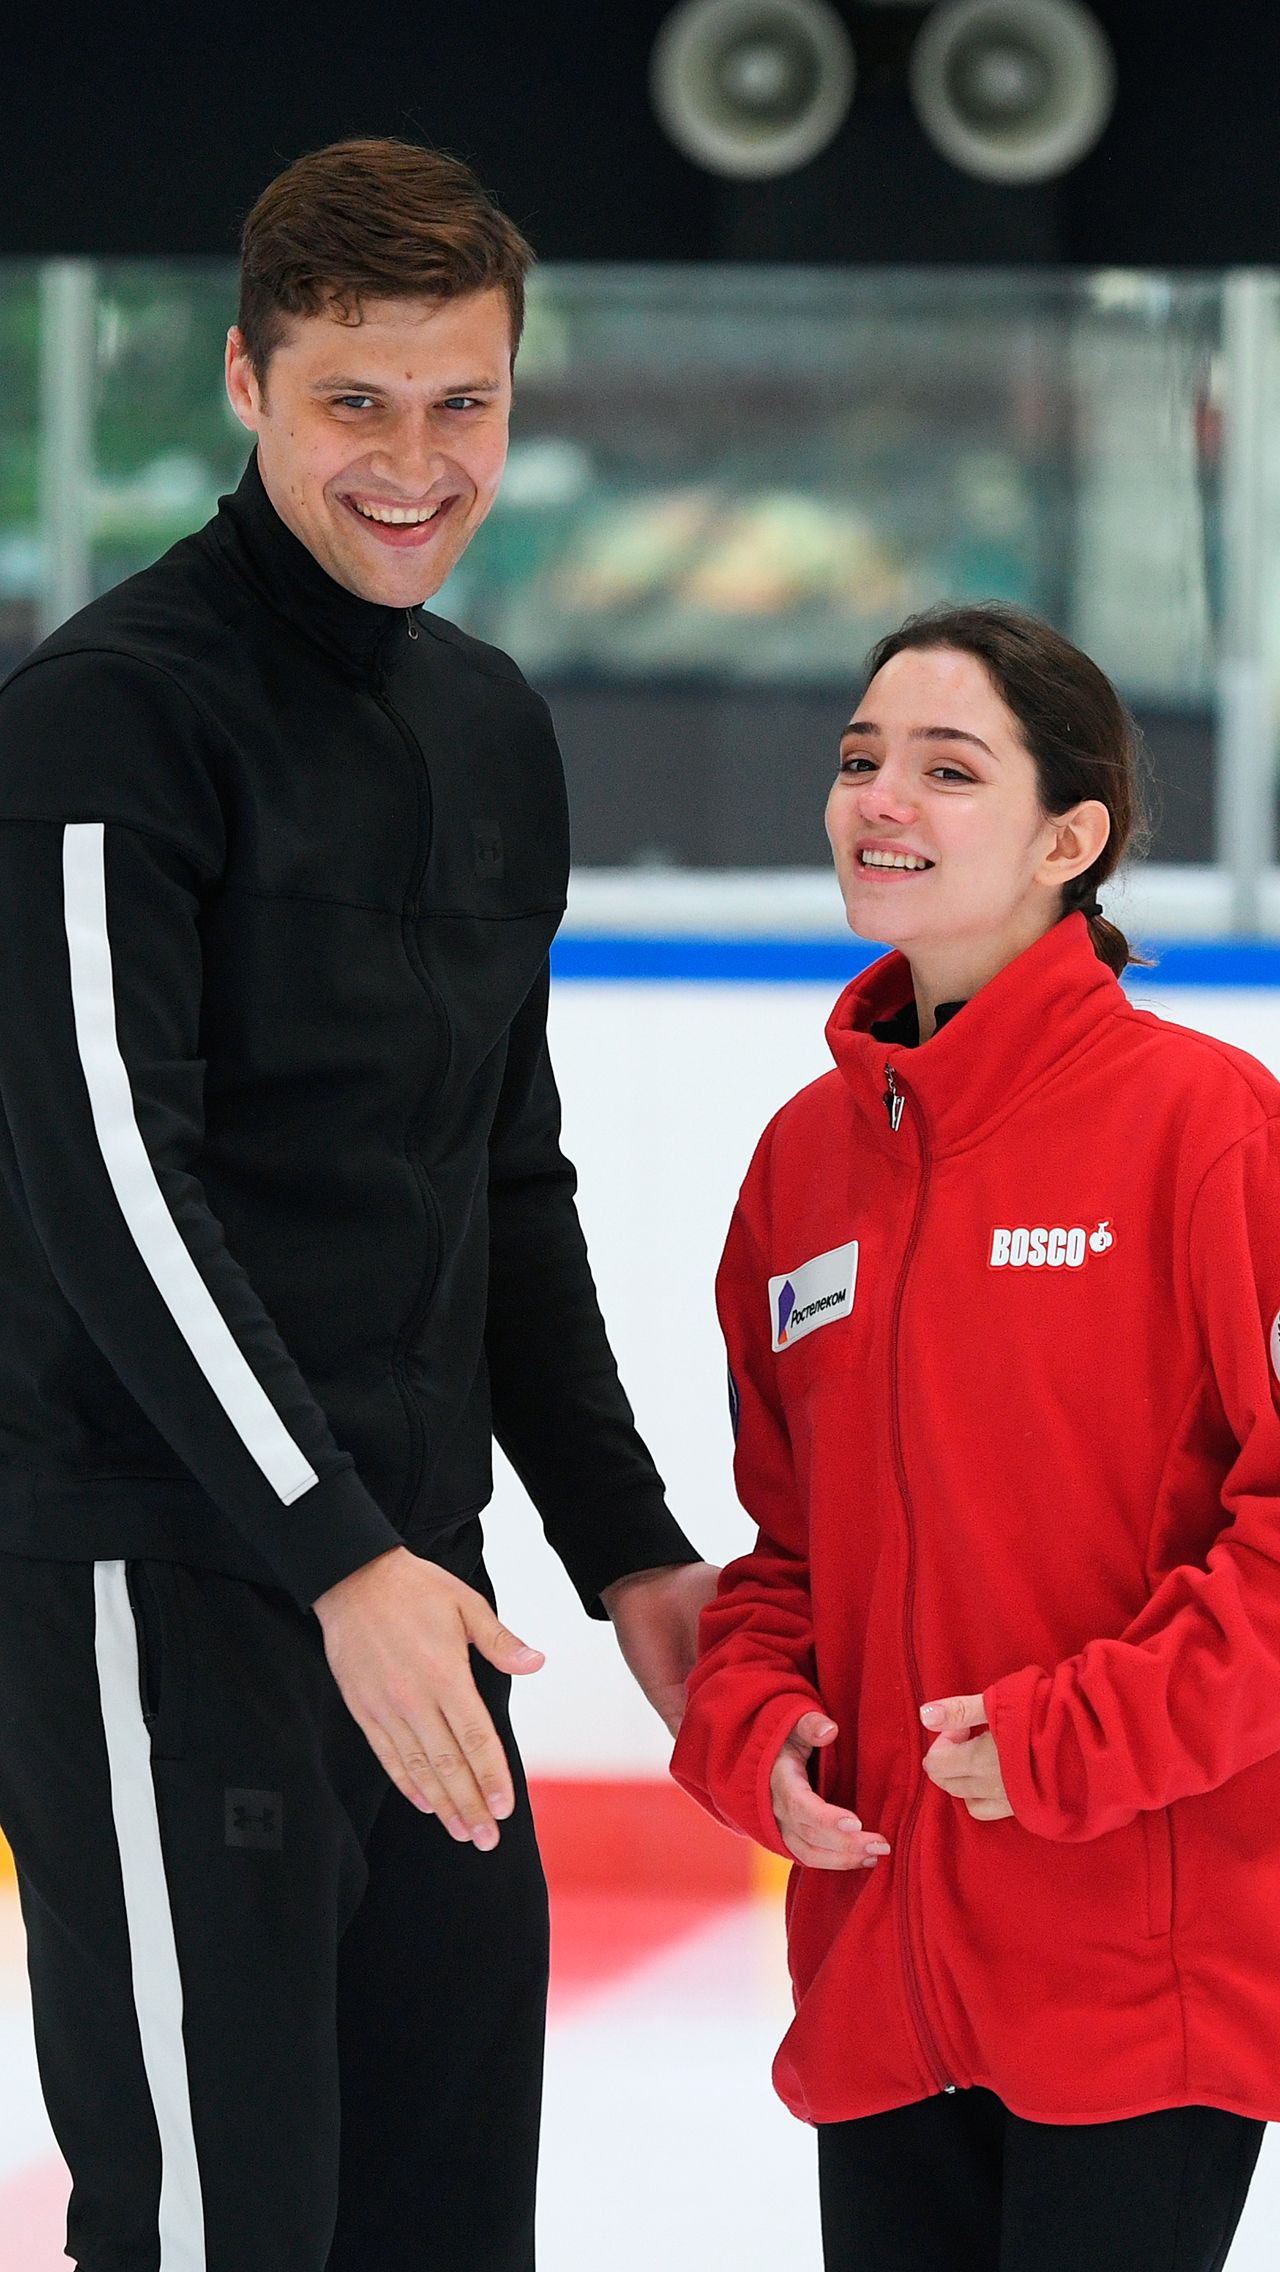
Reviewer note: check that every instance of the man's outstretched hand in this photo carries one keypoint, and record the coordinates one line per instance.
(655, 1616)
(397, 1633)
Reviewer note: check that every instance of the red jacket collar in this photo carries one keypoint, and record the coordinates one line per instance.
(1026, 1023)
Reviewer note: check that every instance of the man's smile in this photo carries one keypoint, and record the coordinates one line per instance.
(403, 527)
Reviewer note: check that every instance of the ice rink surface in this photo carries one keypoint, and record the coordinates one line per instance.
(663, 2143)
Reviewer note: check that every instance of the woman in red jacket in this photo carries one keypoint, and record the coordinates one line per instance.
(1002, 1302)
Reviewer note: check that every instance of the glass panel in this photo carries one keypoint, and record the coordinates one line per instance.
(724, 483)
(749, 474)
(20, 552)
(166, 440)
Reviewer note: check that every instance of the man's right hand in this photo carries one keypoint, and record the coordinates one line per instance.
(397, 1633)
(821, 1836)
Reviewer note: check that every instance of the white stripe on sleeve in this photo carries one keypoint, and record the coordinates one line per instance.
(157, 1983)
(133, 1179)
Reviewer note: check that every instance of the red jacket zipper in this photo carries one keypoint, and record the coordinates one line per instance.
(895, 1098)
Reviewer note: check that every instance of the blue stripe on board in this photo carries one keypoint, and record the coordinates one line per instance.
(830, 962)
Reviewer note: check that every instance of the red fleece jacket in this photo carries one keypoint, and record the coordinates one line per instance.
(1007, 1394)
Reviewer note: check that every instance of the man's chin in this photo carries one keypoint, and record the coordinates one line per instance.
(388, 590)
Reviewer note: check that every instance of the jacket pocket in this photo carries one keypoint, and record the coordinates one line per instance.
(1157, 1831)
(161, 1628)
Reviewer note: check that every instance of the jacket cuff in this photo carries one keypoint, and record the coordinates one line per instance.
(767, 1739)
(743, 1800)
(333, 1529)
(1010, 1708)
(630, 1534)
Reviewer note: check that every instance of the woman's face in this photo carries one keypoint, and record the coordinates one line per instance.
(935, 817)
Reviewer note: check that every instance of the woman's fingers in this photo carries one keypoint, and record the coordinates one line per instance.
(815, 1730)
(850, 1848)
(823, 1836)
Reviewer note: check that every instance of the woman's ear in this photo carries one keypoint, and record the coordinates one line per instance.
(1079, 837)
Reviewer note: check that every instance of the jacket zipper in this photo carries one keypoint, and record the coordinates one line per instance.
(895, 1100)
(431, 1205)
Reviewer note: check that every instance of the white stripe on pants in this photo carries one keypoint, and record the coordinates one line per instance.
(157, 1985)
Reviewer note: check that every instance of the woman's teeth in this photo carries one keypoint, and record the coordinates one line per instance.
(397, 515)
(893, 860)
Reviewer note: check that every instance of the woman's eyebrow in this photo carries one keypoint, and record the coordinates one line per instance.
(865, 726)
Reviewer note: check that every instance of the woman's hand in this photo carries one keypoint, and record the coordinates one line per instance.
(964, 1761)
(823, 1837)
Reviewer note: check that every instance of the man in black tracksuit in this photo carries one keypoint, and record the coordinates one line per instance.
(286, 1235)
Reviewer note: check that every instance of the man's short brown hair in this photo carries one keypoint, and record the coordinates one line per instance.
(371, 219)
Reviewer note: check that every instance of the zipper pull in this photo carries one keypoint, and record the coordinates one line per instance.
(409, 616)
(894, 1100)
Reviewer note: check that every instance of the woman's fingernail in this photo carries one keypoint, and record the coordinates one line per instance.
(931, 1714)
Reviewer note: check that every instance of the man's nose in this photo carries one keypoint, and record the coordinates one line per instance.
(415, 456)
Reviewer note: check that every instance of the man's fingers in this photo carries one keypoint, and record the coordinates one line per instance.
(433, 1757)
(496, 1641)
(477, 1740)
(387, 1754)
(952, 1712)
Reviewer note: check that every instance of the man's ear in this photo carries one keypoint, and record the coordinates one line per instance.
(1079, 837)
(243, 391)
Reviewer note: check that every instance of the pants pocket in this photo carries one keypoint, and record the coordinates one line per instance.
(155, 1595)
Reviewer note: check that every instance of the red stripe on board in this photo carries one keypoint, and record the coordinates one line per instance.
(598, 1938)
(636, 1835)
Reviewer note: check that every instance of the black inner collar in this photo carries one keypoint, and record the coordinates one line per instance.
(903, 1028)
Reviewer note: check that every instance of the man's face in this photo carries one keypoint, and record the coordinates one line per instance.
(404, 412)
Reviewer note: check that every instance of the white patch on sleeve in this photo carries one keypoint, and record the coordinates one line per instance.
(818, 1293)
(1275, 1345)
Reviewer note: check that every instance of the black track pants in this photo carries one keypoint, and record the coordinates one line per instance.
(283, 2022)
(958, 2184)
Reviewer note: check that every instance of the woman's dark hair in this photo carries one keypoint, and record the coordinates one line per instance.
(371, 219)
(1076, 729)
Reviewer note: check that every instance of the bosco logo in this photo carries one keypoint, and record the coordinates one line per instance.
(1045, 1247)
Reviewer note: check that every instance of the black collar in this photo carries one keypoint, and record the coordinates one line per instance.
(903, 1028)
(277, 565)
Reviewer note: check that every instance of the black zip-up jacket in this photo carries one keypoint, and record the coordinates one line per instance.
(285, 1229)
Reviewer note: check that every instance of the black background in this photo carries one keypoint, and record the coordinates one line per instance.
(151, 130)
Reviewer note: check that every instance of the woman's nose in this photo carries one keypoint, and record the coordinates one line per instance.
(887, 796)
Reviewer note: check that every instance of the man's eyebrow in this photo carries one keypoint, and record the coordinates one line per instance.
(341, 385)
(866, 726)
